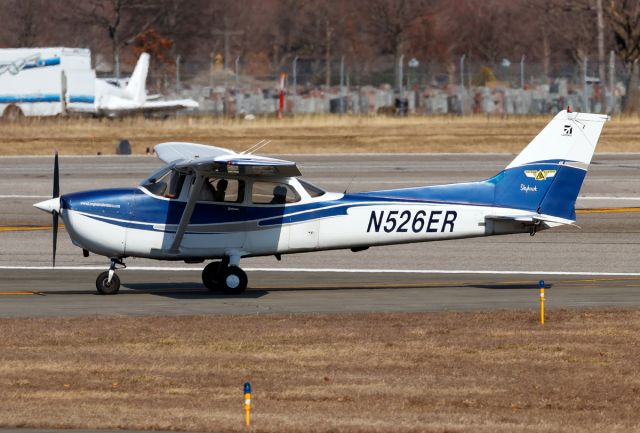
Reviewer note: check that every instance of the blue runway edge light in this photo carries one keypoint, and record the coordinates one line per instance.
(247, 388)
(541, 284)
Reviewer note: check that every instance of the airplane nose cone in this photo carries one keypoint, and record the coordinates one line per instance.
(50, 205)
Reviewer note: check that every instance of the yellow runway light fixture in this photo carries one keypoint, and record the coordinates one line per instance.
(247, 405)
(541, 285)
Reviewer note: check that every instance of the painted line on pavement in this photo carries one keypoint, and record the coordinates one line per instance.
(610, 210)
(24, 196)
(27, 228)
(17, 293)
(333, 270)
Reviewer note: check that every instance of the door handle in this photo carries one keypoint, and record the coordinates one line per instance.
(232, 208)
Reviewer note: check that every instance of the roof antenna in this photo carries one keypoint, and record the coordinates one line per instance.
(259, 145)
(257, 148)
(349, 185)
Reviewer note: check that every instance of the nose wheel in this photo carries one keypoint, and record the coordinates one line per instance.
(105, 287)
(220, 276)
(108, 283)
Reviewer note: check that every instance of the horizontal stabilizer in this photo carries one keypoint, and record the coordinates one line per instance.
(531, 218)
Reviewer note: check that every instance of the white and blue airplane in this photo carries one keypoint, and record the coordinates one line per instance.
(210, 203)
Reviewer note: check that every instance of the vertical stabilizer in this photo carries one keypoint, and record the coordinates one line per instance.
(547, 175)
(568, 137)
(136, 89)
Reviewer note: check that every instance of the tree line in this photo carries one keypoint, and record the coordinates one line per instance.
(370, 34)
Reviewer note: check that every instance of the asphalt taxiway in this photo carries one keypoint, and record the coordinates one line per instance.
(64, 292)
(595, 265)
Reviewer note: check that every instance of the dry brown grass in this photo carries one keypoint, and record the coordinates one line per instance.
(317, 134)
(454, 372)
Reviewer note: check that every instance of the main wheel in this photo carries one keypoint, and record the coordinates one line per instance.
(106, 288)
(233, 281)
(210, 276)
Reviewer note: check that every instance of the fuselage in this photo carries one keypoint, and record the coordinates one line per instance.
(138, 222)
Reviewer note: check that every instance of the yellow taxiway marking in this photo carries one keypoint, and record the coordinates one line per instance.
(19, 293)
(609, 210)
(26, 228)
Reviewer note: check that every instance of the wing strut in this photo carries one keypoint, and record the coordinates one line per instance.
(194, 193)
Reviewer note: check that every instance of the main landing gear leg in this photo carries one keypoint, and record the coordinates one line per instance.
(108, 283)
(225, 276)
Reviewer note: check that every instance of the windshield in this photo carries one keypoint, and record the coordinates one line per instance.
(167, 183)
(311, 189)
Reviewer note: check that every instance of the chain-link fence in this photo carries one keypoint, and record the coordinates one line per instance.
(463, 87)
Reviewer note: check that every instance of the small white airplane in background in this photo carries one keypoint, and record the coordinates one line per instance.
(113, 100)
(59, 81)
(210, 203)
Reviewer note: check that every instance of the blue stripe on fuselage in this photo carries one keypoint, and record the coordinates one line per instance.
(512, 188)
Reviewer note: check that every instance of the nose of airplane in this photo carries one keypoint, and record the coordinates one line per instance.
(49, 206)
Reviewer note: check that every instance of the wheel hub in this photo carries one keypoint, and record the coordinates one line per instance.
(232, 281)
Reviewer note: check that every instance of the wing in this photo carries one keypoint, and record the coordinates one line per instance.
(170, 105)
(244, 165)
(175, 152)
(209, 159)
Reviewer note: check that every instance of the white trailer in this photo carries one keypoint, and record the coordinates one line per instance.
(46, 81)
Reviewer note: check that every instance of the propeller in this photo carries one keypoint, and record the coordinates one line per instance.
(55, 194)
(53, 205)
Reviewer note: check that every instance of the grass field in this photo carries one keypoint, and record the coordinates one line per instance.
(319, 134)
(445, 372)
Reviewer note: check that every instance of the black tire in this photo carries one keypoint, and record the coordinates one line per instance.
(210, 276)
(233, 281)
(107, 289)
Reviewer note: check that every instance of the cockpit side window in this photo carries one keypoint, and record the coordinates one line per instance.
(311, 189)
(273, 193)
(222, 190)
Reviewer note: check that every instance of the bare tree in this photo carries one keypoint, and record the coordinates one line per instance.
(26, 28)
(123, 21)
(624, 18)
(389, 22)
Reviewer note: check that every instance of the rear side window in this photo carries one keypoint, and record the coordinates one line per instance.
(273, 193)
